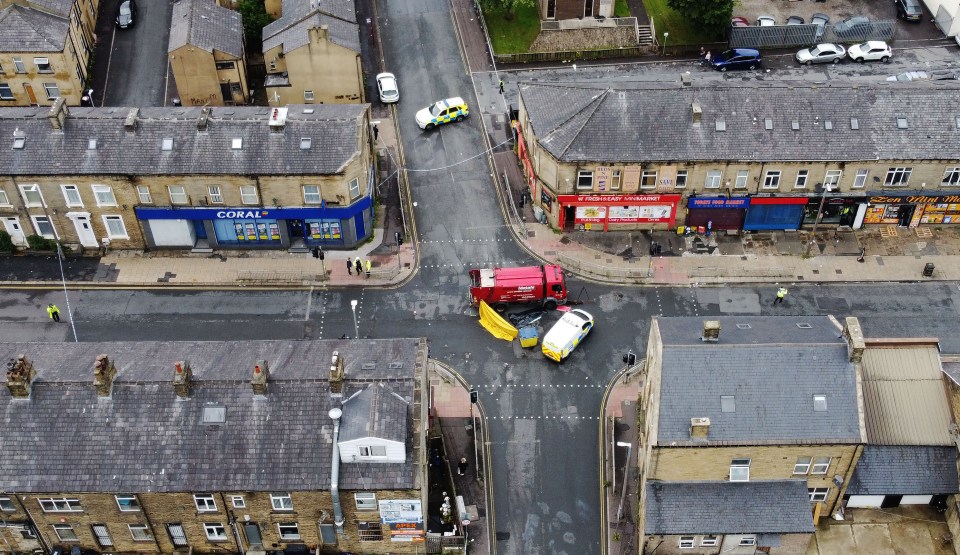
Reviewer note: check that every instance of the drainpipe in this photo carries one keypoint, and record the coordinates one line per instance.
(335, 414)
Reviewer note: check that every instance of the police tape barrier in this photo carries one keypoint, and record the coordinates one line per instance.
(495, 324)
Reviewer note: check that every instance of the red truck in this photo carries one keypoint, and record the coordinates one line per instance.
(499, 286)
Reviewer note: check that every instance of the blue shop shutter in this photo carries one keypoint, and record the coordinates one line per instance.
(773, 216)
(358, 225)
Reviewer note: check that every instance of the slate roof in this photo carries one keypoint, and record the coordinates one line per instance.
(773, 369)
(25, 29)
(336, 130)
(204, 24)
(903, 395)
(373, 412)
(905, 470)
(654, 122)
(145, 438)
(297, 17)
(716, 508)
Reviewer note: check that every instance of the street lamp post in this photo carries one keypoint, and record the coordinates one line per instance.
(665, 36)
(816, 222)
(356, 328)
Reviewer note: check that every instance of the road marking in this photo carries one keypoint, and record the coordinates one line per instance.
(306, 317)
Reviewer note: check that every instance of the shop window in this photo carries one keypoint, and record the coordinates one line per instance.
(44, 227)
(741, 182)
(43, 65)
(178, 195)
(31, 195)
(897, 177)
(52, 90)
(65, 532)
(860, 181)
(205, 503)
(615, 179)
(6, 93)
(281, 502)
(584, 180)
(687, 542)
(140, 532)
(951, 177)
(370, 531)
(740, 470)
(115, 227)
(71, 195)
(802, 176)
(215, 531)
(143, 194)
(354, 188)
(713, 182)
(214, 194)
(802, 466)
(681, 180)
(366, 501)
(818, 494)
(311, 194)
(127, 503)
(648, 179)
(289, 531)
(772, 179)
(821, 465)
(104, 195)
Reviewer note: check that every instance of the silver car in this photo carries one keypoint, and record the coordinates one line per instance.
(821, 54)
(387, 87)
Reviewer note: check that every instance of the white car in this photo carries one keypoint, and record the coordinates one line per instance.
(566, 334)
(822, 53)
(870, 51)
(766, 21)
(387, 86)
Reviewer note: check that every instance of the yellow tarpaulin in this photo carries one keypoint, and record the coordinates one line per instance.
(495, 324)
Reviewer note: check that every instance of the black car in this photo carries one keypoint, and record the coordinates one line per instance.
(126, 14)
(909, 10)
(736, 58)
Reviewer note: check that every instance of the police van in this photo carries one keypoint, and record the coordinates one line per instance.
(442, 111)
(566, 334)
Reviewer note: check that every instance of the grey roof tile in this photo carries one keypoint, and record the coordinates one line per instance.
(26, 29)
(905, 470)
(204, 24)
(376, 411)
(757, 507)
(145, 438)
(298, 16)
(654, 122)
(336, 130)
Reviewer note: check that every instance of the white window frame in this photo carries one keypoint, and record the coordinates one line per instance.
(818, 494)
(4, 199)
(584, 180)
(288, 536)
(737, 469)
(120, 233)
(366, 501)
(143, 194)
(66, 197)
(65, 532)
(713, 179)
(898, 176)
(238, 502)
(648, 176)
(6, 504)
(19, 66)
(132, 506)
(52, 90)
(687, 542)
(140, 532)
(245, 193)
(802, 466)
(174, 196)
(354, 188)
(281, 501)
(102, 536)
(215, 194)
(40, 63)
(831, 179)
(771, 179)
(616, 178)
(742, 177)
(308, 96)
(748, 540)
(103, 190)
(821, 465)
(5, 88)
(709, 541)
(36, 226)
(310, 197)
(803, 176)
(60, 504)
(215, 531)
(33, 188)
(681, 182)
(951, 177)
(205, 503)
(860, 181)
(367, 451)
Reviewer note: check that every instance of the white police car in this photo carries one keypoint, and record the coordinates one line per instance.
(442, 111)
(566, 334)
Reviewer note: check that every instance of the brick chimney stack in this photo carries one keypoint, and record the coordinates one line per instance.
(711, 331)
(20, 375)
(336, 373)
(699, 428)
(182, 376)
(103, 374)
(261, 373)
(202, 120)
(853, 333)
(58, 113)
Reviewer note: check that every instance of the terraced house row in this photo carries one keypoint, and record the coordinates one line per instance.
(763, 157)
(188, 178)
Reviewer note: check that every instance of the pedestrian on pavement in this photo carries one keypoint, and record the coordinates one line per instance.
(703, 53)
(706, 58)
(349, 267)
(501, 86)
(462, 466)
(376, 132)
(781, 293)
(369, 266)
(54, 312)
(358, 265)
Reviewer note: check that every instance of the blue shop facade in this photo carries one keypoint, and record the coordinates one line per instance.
(245, 227)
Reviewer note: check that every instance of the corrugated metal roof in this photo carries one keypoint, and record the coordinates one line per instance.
(904, 398)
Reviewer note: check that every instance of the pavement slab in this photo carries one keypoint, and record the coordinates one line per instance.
(872, 539)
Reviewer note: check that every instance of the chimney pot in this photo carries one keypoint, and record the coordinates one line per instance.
(103, 374)
(699, 428)
(20, 375)
(261, 373)
(697, 113)
(182, 378)
(711, 331)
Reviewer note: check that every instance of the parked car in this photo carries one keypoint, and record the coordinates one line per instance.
(822, 53)
(739, 22)
(736, 58)
(854, 28)
(442, 111)
(909, 10)
(566, 334)
(126, 14)
(387, 87)
(795, 20)
(870, 51)
(766, 21)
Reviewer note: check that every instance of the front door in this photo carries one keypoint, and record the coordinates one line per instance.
(12, 225)
(28, 88)
(252, 531)
(85, 231)
(905, 214)
(295, 227)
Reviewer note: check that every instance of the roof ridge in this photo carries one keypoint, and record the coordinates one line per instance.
(25, 17)
(595, 101)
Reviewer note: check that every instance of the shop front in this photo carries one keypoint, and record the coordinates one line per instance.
(836, 211)
(774, 213)
(717, 212)
(257, 228)
(910, 209)
(626, 212)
